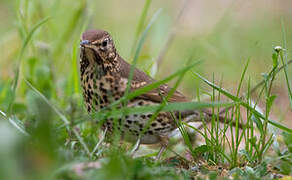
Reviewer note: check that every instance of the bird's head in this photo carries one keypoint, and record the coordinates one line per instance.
(98, 47)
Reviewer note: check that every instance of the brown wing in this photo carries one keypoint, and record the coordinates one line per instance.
(141, 79)
(163, 90)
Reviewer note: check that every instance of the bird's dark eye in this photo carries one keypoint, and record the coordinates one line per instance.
(104, 43)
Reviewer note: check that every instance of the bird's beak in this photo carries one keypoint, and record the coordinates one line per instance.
(84, 42)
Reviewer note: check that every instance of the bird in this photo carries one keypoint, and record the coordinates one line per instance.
(104, 76)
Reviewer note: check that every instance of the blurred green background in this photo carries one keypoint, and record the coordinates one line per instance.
(224, 34)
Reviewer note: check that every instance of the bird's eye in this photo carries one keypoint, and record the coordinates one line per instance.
(104, 43)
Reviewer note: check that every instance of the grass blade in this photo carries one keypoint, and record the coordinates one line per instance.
(141, 22)
(180, 106)
(172, 34)
(61, 116)
(16, 123)
(152, 85)
(284, 58)
(23, 47)
(242, 76)
(238, 100)
(140, 44)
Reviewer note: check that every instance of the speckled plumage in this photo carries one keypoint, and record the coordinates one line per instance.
(104, 77)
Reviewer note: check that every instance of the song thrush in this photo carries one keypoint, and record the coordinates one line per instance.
(104, 77)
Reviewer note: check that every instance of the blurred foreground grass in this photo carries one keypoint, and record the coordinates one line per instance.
(222, 34)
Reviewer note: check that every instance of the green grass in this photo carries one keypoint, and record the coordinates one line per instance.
(45, 132)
